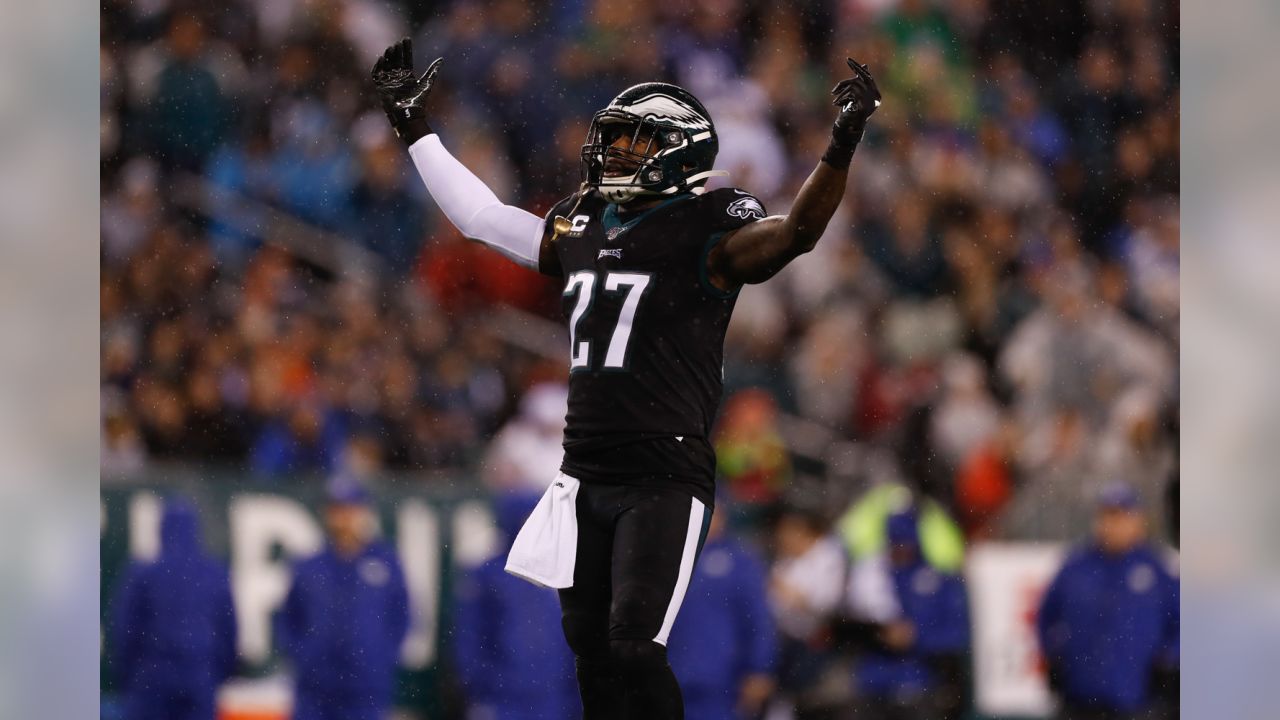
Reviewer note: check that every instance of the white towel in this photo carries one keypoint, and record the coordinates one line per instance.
(546, 548)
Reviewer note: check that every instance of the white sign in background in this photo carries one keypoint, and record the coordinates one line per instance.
(1006, 582)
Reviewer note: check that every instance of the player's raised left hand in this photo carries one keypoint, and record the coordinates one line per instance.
(404, 95)
(858, 98)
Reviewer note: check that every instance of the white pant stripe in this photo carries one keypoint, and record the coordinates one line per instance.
(696, 513)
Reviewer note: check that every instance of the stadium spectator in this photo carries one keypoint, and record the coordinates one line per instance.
(1150, 251)
(907, 248)
(512, 659)
(130, 213)
(1074, 352)
(386, 216)
(526, 454)
(345, 615)
(306, 438)
(864, 526)
(750, 455)
(966, 417)
(915, 667)
(122, 451)
(806, 584)
(240, 169)
(1109, 622)
(967, 429)
(185, 90)
(829, 364)
(723, 646)
(172, 631)
(311, 166)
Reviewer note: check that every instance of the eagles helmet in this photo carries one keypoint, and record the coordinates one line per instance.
(670, 144)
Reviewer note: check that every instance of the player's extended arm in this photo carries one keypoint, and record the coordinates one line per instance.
(468, 203)
(756, 252)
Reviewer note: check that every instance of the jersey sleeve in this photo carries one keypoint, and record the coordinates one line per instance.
(731, 208)
(724, 211)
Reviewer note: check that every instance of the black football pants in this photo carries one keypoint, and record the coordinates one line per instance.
(635, 554)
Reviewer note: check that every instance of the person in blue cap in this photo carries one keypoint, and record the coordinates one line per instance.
(1109, 621)
(914, 666)
(724, 646)
(512, 660)
(345, 616)
(173, 626)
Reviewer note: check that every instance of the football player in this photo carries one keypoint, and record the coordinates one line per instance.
(652, 264)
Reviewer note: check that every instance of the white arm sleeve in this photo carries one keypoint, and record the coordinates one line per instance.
(473, 208)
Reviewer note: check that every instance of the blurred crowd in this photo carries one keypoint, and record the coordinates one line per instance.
(993, 313)
(996, 300)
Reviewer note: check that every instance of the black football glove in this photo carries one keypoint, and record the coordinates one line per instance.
(404, 95)
(857, 97)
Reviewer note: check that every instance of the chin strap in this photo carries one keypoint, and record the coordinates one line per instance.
(703, 176)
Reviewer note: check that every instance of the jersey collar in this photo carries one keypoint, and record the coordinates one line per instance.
(611, 218)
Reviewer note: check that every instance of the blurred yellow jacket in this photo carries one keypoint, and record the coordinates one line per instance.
(862, 527)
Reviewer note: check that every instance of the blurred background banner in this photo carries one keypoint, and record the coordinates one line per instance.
(263, 529)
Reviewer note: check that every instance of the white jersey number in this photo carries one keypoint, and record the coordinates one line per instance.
(583, 284)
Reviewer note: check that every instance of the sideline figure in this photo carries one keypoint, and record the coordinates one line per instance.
(173, 626)
(346, 616)
(1108, 624)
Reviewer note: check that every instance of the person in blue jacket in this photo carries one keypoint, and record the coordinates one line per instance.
(914, 666)
(1109, 621)
(173, 626)
(512, 660)
(723, 646)
(346, 615)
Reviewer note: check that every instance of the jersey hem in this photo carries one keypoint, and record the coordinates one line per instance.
(700, 488)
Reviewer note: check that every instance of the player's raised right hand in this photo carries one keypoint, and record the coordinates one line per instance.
(404, 95)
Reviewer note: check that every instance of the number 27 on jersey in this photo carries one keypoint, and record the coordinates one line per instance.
(583, 284)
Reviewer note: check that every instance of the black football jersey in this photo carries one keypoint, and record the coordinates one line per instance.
(646, 331)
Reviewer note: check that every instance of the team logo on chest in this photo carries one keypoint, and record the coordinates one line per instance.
(610, 252)
(613, 233)
(374, 572)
